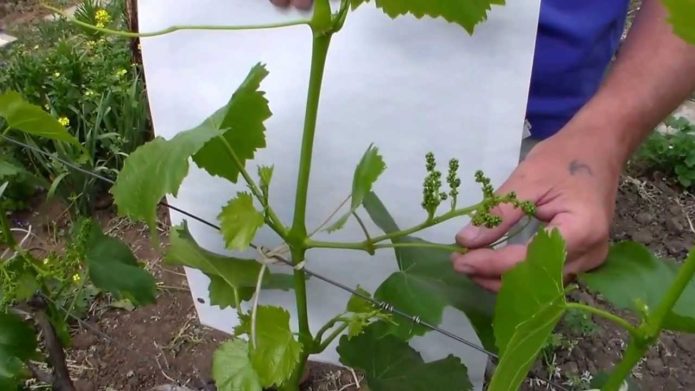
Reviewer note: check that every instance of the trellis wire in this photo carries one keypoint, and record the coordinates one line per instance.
(384, 306)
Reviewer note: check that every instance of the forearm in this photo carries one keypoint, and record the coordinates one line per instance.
(653, 73)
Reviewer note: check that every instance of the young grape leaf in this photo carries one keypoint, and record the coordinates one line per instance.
(113, 268)
(426, 284)
(465, 13)
(276, 352)
(358, 305)
(681, 16)
(239, 222)
(158, 167)
(232, 369)
(26, 117)
(530, 303)
(367, 172)
(228, 276)
(391, 364)
(17, 344)
(242, 121)
(632, 274)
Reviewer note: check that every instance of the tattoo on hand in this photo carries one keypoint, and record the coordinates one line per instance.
(577, 167)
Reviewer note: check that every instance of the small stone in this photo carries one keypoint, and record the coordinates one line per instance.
(570, 368)
(676, 246)
(83, 341)
(644, 218)
(656, 366)
(130, 374)
(643, 236)
(674, 225)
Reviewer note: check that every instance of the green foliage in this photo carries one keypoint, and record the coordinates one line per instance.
(633, 278)
(367, 172)
(239, 221)
(425, 284)
(673, 153)
(17, 344)
(390, 364)
(158, 167)
(465, 13)
(273, 351)
(114, 268)
(232, 280)
(241, 125)
(232, 368)
(526, 314)
(90, 83)
(681, 16)
(31, 119)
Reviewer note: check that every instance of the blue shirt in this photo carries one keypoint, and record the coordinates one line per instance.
(575, 43)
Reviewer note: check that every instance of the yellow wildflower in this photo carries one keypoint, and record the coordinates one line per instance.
(102, 18)
(65, 121)
(36, 47)
(121, 72)
(45, 261)
(57, 74)
(76, 277)
(100, 25)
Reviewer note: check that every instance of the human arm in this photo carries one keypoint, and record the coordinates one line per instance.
(573, 175)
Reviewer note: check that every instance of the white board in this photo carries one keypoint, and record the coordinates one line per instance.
(408, 86)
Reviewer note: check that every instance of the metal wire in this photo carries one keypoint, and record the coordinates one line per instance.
(379, 304)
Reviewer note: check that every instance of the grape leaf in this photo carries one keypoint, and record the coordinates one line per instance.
(530, 303)
(242, 122)
(276, 352)
(631, 273)
(228, 276)
(158, 167)
(427, 283)
(367, 172)
(467, 14)
(114, 268)
(391, 364)
(26, 117)
(357, 304)
(681, 16)
(17, 344)
(240, 221)
(232, 369)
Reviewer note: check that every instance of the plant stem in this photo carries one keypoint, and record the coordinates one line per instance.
(331, 337)
(362, 226)
(172, 29)
(305, 337)
(273, 220)
(632, 356)
(437, 246)
(606, 315)
(319, 334)
(651, 328)
(367, 246)
(318, 64)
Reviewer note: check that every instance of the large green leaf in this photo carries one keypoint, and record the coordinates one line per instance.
(17, 344)
(228, 276)
(530, 303)
(275, 353)
(26, 117)
(242, 122)
(232, 368)
(632, 275)
(239, 221)
(427, 283)
(366, 173)
(390, 364)
(465, 13)
(158, 167)
(681, 16)
(113, 268)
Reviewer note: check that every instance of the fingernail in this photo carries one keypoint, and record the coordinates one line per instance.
(465, 268)
(469, 234)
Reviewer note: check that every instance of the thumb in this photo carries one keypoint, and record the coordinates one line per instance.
(474, 237)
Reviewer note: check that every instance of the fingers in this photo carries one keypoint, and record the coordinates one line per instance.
(475, 237)
(487, 262)
(302, 4)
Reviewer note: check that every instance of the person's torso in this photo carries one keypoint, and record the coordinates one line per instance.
(576, 41)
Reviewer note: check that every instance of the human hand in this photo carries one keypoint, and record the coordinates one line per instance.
(573, 182)
(300, 4)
